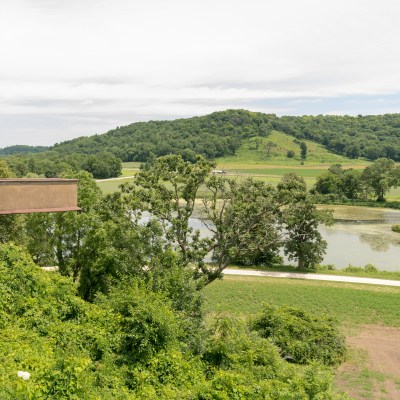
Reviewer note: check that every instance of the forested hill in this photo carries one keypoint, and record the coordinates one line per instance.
(20, 149)
(214, 135)
(221, 133)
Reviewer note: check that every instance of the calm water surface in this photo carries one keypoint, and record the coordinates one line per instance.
(363, 236)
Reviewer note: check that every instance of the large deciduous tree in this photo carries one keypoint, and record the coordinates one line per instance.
(243, 219)
(381, 176)
(167, 190)
(300, 219)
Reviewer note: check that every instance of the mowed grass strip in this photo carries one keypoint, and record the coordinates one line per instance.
(243, 296)
(112, 185)
(305, 172)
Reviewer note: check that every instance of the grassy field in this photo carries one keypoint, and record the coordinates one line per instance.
(316, 153)
(255, 163)
(112, 185)
(309, 176)
(351, 304)
(359, 309)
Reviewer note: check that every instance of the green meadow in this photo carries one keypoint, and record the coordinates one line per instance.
(351, 304)
(251, 153)
(254, 162)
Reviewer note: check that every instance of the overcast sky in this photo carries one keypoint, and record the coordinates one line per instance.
(70, 68)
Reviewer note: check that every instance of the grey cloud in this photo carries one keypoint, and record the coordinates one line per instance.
(48, 103)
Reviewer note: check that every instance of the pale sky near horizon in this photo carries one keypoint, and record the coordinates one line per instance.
(79, 67)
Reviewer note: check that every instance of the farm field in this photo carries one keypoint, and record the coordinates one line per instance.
(266, 172)
(369, 316)
(255, 162)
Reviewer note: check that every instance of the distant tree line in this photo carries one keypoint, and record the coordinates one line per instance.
(18, 149)
(369, 136)
(51, 164)
(353, 184)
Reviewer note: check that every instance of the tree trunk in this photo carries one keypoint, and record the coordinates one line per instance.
(300, 262)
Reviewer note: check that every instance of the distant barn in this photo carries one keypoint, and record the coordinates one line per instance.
(24, 196)
(218, 172)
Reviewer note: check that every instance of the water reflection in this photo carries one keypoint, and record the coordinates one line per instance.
(376, 242)
(353, 242)
(359, 245)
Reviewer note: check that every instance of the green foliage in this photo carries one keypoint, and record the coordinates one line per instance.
(168, 190)
(381, 176)
(17, 149)
(147, 323)
(244, 365)
(290, 154)
(103, 165)
(51, 164)
(221, 134)
(369, 136)
(303, 150)
(303, 241)
(366, 268)
(376, 179)
(302, 338)
(130, 344)
(396, 228)
(244, 215)
(211, 136)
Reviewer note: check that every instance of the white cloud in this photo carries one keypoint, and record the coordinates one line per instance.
(155, 59)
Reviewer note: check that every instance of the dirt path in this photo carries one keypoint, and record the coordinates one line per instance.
(375, 375)
(383, 346)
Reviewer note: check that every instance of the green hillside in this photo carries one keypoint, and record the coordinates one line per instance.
(255, 151)
(223, 134)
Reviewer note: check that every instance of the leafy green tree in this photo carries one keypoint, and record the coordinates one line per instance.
(303, 150)
(303, 242)
(292, 182)
(103, 165)
(351, 184)
(5, 171)
(243, 221)
(327, 183)
(168, 191)
(381, 176)
(269, 146)
(300, 218)
(343, 182)
(58, 238)
(290, 154)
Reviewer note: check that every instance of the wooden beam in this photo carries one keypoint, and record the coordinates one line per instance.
(24, 196)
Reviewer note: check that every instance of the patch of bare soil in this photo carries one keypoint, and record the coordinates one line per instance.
(377, 376)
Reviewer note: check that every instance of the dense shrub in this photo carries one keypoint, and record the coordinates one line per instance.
(396, 228)
(130, 344)
(366, 268)
(302, 338)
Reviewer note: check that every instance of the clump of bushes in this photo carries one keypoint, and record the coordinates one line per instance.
(366, 268)
(301, 337)
(324, 267)
(396, 228)
(132, 344)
